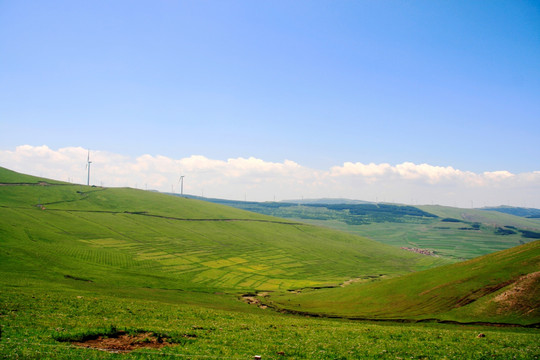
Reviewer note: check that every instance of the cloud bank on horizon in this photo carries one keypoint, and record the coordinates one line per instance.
(255, 179)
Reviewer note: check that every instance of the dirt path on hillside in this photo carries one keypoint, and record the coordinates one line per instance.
(140, 213)
(41, 183)
(228, 219)
(144, 213)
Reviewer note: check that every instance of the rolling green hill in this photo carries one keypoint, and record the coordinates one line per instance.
(493, 218)
(452, 233)
(147, 239)
(518, 211)
(500, 287)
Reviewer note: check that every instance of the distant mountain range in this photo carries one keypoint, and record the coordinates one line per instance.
(327, 201)
(454, 233)
(517, 211)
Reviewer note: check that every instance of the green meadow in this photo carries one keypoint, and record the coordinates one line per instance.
(503, 287)
(455, 241)
(77, 262)
(453, 233)
(110, 235)
(209, 326)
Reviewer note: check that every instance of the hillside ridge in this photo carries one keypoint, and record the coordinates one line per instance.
(503, 287)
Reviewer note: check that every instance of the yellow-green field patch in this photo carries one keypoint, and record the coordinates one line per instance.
(216, 264)
(175, 260)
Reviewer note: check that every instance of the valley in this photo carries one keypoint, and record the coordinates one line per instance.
(212, 281)
(452, 233)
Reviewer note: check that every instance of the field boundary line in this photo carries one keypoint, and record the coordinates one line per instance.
(142, 213)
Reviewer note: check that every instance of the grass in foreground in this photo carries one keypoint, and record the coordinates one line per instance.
(32, 316)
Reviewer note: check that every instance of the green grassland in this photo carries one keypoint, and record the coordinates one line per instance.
(151, 239)
(475, 234)
(451, 240)
(500, 287)
(77, 261)
(207, 326)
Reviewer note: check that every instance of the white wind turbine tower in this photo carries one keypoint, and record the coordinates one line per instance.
(88, 162)
(181, 182)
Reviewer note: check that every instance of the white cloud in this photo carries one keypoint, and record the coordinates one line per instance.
(256, 179)
(429, 173)
(498, 175)
(370, 170)
(405, 171)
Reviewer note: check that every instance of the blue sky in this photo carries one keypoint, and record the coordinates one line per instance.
(321, 83)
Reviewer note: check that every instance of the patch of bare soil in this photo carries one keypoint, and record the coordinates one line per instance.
(521, 295)
(124, 342)
(420, 251)
(479, 293)
(252, 299)
(351, 281)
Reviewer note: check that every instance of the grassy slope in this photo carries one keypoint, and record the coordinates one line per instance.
(455, 241)
(493, 218)
(146, 239)
(447, 239)
(499, 287)
(518, 211)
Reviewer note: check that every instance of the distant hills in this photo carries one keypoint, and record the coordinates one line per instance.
(517, 211)
(453, 233)
(326, 201)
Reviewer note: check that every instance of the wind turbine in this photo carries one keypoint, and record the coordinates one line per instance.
(181, 182)
(88, 162)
